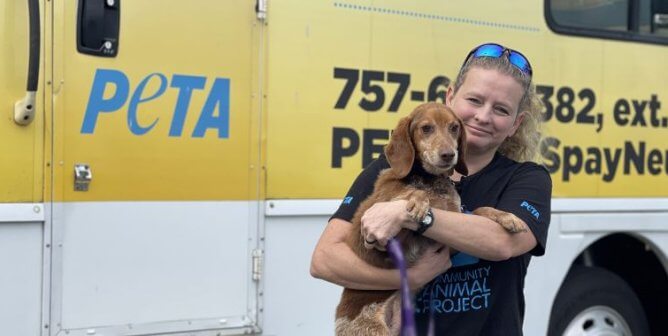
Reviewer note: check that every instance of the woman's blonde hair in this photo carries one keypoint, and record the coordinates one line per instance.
(523, 145)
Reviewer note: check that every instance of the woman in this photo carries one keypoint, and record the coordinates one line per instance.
(479, 291)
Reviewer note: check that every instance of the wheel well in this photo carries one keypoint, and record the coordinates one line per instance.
(638, 264)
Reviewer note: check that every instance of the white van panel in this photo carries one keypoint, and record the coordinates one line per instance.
(153, 266)
(20, 277)
(296, 303)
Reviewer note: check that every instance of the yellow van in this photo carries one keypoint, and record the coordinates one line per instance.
(169, 165)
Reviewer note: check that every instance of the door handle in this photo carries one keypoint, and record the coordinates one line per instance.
(97, 27)
(82, 176)
(660, 20)
(24, 109)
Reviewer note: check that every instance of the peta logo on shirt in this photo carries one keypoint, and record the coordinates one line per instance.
(530, 208)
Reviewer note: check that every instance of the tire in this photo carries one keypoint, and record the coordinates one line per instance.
(593, 301)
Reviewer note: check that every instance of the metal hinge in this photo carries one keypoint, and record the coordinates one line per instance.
(258, 258)
(261, 9)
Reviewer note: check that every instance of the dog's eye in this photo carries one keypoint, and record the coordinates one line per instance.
(426, 129)
(454, 128)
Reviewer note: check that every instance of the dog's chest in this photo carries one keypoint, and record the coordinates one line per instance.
(435, 186)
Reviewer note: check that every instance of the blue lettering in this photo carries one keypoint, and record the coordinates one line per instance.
(440, 290)
(530, 208)
(133, 123)
(476, 287)
(96, 101)
(186, 85)
(215, 113)
(460, 289)
(435, 305)
(451, 308)
(473, 302)
(456, 305)
(465, 303)
(219, 96)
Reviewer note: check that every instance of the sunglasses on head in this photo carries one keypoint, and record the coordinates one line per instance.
(494, 50)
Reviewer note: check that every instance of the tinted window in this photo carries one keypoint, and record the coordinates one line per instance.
(596, 14)
(637, 20)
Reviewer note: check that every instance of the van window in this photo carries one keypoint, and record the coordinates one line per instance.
(592, 14)
(638, 20)
(658, 17)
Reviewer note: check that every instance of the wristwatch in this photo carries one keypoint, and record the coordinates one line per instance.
(426, 222)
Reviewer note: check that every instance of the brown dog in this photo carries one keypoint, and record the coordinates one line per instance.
(424, 150)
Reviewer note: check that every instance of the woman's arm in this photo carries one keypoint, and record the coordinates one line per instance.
(478, 236)
(475, 235)
(334, 261)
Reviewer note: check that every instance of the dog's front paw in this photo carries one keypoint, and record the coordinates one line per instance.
(418, 204)
(511, 223)
(507, 220)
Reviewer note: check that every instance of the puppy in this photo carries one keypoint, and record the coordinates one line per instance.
(424, 150)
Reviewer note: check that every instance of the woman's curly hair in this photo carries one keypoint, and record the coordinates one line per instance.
(523, 145)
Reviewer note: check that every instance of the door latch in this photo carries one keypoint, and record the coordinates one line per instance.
(98, 25)
(82, 177)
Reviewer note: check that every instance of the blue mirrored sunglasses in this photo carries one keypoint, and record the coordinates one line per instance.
(495, 51)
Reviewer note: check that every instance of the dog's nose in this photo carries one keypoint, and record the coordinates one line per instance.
(447, 156)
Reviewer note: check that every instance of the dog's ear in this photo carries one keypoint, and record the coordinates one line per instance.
(399, 151)
(461, 167)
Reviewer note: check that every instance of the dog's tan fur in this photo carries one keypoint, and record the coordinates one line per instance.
(433, 138)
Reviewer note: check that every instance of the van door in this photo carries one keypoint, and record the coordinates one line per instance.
(21, 169)
(156, 156)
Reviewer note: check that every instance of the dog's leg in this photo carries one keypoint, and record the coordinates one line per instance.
(509, 221)
(418, 204)
(370, 322)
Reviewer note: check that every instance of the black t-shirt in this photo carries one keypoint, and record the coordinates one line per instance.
(477, 296)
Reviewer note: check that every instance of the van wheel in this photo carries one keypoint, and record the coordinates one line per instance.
(594, 301)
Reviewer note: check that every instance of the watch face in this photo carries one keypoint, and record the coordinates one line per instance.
(427, 219)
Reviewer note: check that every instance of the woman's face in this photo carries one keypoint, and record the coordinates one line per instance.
(488, 103)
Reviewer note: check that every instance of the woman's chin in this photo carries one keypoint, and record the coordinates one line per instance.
(480, 147)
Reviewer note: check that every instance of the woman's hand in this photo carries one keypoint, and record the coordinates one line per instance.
(383, 221)
(434, 261)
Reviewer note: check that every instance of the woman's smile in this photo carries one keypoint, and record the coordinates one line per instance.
(477, 130)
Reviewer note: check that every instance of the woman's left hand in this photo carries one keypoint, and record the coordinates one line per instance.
(382, 221)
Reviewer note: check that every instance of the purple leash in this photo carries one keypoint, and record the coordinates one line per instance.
(407, 311)
(407, 317)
